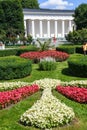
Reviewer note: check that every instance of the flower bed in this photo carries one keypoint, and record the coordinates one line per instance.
(47, 83)
(77, 83)
(74, 93)
(47, 112)
(59, 56)
(13, 96)
(12, 85)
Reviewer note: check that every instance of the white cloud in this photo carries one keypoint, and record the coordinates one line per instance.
(56, 4)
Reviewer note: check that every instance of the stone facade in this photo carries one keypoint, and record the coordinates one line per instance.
(46, 23)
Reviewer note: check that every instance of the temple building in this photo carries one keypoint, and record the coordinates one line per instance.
(47, 23)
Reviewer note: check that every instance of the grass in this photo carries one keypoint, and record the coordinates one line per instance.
(9, 117)
(61, 73)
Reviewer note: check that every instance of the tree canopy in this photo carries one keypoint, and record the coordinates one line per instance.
(31, 4)
(12, 15)
(80, 16)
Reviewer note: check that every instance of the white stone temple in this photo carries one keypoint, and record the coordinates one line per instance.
(47, 23)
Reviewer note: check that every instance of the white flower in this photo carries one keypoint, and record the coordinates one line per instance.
(47, 83)
(81, 83)
(12, 85)
(48, 112)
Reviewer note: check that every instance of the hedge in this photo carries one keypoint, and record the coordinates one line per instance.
(68, 49)
(79, 50)
(27, 49)
(8, 52)
(17, 51)
(78, 66)
(13, 67)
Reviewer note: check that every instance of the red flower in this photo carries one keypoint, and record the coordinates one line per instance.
(75, 93)
(59, 56)
(16, 95)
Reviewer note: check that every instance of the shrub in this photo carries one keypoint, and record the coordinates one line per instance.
(13, 67)
(78, 66)
(18, 51)
(8, 52)
(79, 50)
(47, 65)
(67, 49)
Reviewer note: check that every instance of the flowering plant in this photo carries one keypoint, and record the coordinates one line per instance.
(47, 83)
(59, 56)
(12, 85)
(81, 83)
(75, 93)
(47, 112)
(13, 96)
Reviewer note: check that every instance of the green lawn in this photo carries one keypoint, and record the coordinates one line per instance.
(9, 117)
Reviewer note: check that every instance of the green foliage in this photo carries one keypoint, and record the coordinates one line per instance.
(11, 17)
(79, 50)
(29, 39)
(47, 65)
(31, 4)
(73, 37)
(26, 49)
(8, 52)
(2, 36)
(68, 49)
(80, 16)
(23, 39)
(78, 66)
(17, 51)
(14, 67)
(44, 45)
(2, 18)
(77, 36)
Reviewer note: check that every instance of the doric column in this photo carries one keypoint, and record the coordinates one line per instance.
(48, 28)
(70, 25)
(41, 28)
(33, 29)
(25, 28)
(63, 28)
(55, 28)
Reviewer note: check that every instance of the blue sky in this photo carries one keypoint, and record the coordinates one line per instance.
(60, 4)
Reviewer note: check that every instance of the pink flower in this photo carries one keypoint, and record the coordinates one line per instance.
(13, 96)
(74, 93)
(58, 55)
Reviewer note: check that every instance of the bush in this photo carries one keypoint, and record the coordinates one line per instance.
(18, 51)
(13, 67)
(27, 49)
(79, 50)
(78, 66)
(67, 49)
(47, 65)
(8, 52)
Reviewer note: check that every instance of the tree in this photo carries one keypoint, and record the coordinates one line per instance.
(77, 36)
(2, 18)
(13, 15)
(80, 16)
(31, 4)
